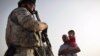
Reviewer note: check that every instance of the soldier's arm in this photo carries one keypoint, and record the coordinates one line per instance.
(28, 21)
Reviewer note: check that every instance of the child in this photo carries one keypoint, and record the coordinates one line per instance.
(72, 40)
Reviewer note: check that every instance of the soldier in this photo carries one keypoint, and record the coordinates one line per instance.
(21, 31)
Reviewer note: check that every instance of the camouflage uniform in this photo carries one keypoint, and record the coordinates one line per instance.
(21, 32)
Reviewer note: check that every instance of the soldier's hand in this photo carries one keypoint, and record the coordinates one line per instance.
(42, 26)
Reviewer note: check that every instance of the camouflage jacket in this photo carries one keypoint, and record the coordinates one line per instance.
(21, 29)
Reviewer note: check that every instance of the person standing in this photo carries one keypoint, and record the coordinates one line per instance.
(65, 49)
(21, 31)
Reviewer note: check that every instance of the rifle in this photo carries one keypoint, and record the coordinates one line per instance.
(45, 36)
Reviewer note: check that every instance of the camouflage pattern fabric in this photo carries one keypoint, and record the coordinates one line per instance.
(23, 33)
